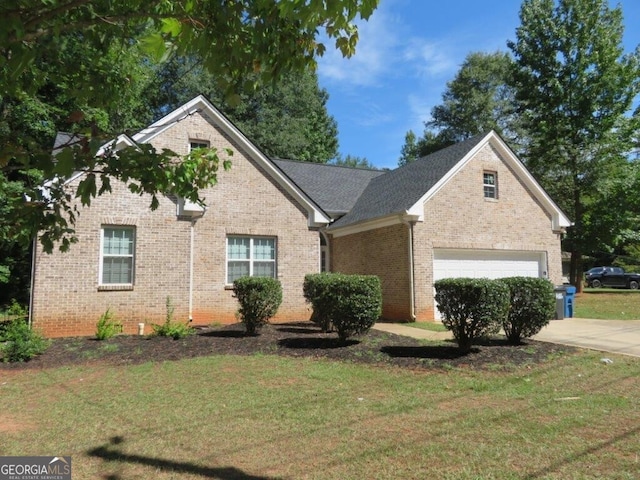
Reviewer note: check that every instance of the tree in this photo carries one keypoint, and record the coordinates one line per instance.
(353, 162)
(241, 42)
(287, 118)
(575, 89)
(477, 100)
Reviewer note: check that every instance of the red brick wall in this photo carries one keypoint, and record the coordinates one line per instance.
(66, 298)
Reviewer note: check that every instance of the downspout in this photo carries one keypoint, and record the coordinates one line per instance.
(33, 280)
(412, 288)
(191, 255)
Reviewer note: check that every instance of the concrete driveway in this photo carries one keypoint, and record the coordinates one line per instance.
(615, 336)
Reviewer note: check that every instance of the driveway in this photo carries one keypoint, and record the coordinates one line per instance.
(615, 336)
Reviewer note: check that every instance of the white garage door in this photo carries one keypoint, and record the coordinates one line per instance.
(487, 264)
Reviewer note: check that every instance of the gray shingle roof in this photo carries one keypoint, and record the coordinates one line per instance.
(333, 188)
(398, 190)
(63, 140)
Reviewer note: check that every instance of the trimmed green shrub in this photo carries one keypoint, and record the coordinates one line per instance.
(472, 308)
(19, 343)
(171, 328)
(356, 304)
(532, 306)
(107, 327)
(316, 290)
(259, 298)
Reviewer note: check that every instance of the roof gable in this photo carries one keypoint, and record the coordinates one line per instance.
(400, 195)
(200, 105)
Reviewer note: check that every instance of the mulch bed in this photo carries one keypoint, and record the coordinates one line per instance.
(302, 339)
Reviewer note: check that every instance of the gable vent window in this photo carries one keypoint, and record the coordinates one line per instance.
(194, 144)
(490, 185)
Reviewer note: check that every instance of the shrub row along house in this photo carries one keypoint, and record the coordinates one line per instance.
(469, 210)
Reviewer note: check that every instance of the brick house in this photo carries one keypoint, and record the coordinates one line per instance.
(469, 210)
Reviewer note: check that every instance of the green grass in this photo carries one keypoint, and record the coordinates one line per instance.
(268, 417)
(608, 303)
(431, 326)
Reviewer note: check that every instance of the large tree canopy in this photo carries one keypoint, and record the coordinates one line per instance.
(575, 90)
(287, 118)
(477, 100)
(75, 66)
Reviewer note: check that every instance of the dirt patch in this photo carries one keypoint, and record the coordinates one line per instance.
(11, 425)
(301, 339)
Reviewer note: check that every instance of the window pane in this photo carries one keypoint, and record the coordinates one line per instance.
(237, 270)
(264, 269)
(117, 270)
(489, 179)
(118, 241)
(238, 248)
(264, 249)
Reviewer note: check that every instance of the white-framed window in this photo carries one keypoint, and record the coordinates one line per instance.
(490, 184)
(117, 255)
(193, 144)
(250, 256)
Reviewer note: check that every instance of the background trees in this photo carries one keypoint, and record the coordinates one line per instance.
(477, 100)
(575, 89)
(564, 103)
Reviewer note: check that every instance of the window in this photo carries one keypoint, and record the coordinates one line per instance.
(193, 144)
(117, 255)
(253, 256)
(490, 185)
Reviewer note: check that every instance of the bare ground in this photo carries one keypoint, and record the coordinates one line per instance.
(300, 339)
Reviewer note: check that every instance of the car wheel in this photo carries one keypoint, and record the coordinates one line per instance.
(633, 285)
(596, 283)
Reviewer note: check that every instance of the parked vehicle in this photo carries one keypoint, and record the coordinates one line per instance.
(612, 277)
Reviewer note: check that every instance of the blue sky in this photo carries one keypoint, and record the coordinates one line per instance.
(408, 51)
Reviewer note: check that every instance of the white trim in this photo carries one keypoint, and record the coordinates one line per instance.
(380, 222)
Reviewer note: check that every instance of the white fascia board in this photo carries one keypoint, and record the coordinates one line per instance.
(389, 220)
(559, 220)
(122, 141)
(316, 217)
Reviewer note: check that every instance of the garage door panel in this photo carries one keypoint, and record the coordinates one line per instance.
(448, 263)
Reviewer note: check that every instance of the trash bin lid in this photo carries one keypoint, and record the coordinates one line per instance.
(571, 290)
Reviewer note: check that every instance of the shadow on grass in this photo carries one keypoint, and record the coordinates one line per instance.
(316, 343)
(111, 453)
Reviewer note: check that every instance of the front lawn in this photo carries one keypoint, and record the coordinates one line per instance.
(608, 304)
(295, 413)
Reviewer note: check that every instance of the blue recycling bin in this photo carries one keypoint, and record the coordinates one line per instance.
(569, 297)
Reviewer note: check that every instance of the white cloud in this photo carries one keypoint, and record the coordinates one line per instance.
(428, 58)
(374, 57)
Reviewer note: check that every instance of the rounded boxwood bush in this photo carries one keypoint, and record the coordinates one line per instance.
(259, 298)
(356, 304)
(316, 290)
(472, 308)
(532, 306)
